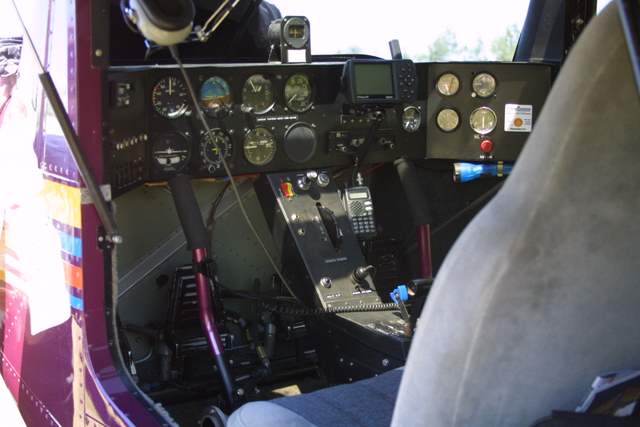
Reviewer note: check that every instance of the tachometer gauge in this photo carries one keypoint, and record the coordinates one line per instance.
(448, 120)
(170, 98)
(170, 152)
(298, 93)
(215, 94)
(483, 120)
(257, 94)
(215, 147)
(411, 119)
(448, 84)
(484, 85)
(259, 146)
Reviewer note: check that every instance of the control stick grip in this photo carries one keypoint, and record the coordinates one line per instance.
(189, 212)
(413, 190)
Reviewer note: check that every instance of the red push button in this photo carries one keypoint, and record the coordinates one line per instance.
(486, 146)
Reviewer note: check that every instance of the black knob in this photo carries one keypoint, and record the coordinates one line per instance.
(300, 143)
(360, 274)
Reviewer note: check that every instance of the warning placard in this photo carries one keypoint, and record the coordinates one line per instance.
(518, 118)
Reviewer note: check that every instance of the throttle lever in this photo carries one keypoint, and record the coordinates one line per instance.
(330, 222)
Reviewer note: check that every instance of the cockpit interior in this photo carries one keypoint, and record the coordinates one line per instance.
(358, 239)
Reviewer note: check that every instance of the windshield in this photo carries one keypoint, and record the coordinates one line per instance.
(428, 30)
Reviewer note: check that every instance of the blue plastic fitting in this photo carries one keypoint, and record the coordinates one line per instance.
(400, 293)
(465, 172)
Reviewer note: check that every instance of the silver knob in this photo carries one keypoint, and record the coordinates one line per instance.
(323, 179)
(304, 183)
(326, 282)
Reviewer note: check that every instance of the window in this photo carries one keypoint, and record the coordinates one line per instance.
(602, 4)
(428, 30)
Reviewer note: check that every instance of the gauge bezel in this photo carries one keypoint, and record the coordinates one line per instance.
(404, 110)
(210, 111)
(273, 100)
(185, 104)
(209, 164)
(311, 96)
(494, 88)
(438, 84)
(457, 114)
(474, 112)
(244, 144)
(296, 43)
(183, 139)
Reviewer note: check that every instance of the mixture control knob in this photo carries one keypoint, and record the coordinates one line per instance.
(323, 179)
(360, 274)
(304, 183)
(486, 146)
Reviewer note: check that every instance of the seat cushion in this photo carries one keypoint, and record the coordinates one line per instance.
(364, 403)
(541, 292)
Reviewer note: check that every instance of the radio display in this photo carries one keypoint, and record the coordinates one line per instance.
(374, 81)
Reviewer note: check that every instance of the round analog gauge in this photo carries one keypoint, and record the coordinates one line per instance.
(296, 31)
(483, 120)
(298, 93)
(484, 85)
(259, 146)
(171, 152)
(411, 119)
(170, 98)
(448, 84)
(448, 120)
(215, 94)
(257, 94)
(215, 146)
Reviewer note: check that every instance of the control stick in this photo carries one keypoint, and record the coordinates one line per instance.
(197, 241)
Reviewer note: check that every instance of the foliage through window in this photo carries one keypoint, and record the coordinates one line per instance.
(428, 30)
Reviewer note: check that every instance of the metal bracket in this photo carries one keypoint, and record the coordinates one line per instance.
(85, 196)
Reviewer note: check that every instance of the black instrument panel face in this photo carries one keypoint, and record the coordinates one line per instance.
(285, 117)
(483, 111)
(265, 118)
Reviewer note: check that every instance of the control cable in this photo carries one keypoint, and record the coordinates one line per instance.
(319, 311)
(176, 56)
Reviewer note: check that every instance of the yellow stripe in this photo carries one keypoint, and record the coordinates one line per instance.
(63, 202)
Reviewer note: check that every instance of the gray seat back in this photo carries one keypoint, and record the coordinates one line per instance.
(541, 292)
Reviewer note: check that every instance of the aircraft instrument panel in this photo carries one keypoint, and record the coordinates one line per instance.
(280, 117)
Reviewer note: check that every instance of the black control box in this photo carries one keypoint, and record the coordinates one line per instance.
(379, 82)
(319, 247)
